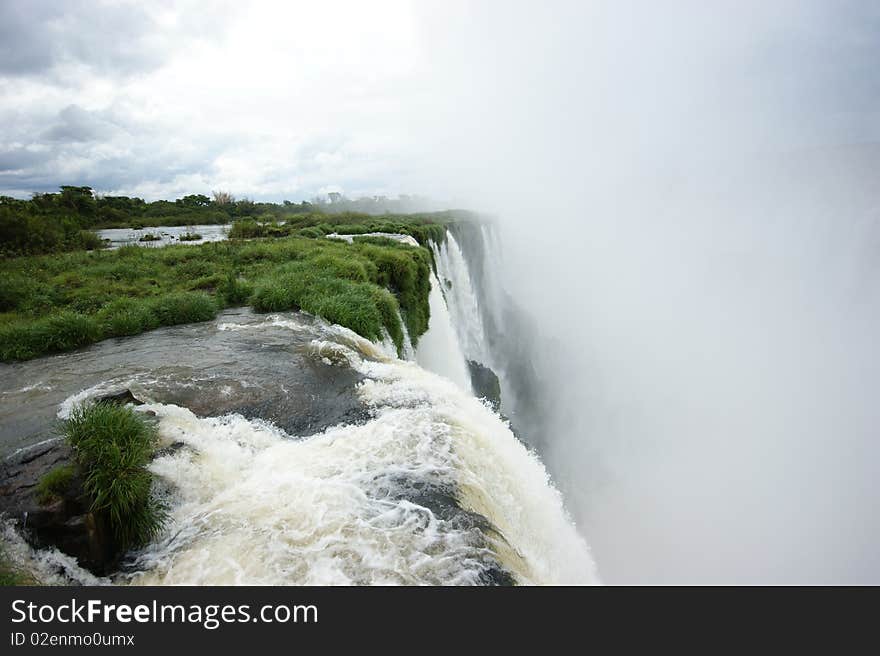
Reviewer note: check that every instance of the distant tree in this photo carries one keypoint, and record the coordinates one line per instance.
(79, 200)
(245, 207)
(223, 198)
(334, 196)
(194, 200)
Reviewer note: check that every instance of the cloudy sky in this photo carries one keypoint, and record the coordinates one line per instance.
(290, 99)
(158, 99)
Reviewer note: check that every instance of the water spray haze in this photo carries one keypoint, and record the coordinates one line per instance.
(686, 194)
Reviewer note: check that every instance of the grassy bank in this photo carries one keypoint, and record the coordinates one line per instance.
(55, 303)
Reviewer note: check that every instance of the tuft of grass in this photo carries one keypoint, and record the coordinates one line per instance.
(190, 236)
(64, 331)
(234, 291)
(113, 446)
(54, 483)
(127, 316)
(183, 307)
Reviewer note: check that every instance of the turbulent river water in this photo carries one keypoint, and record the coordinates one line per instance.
(297, 452)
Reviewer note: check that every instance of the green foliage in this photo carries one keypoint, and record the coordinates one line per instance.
(127, 316)
(183, 307)
(64, 331)
(54, 483)
(113, 446)
(60, 302)
(60, 222)
(22, 232)
(234, 291)
(246, 230)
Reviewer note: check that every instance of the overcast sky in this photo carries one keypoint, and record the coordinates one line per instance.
(287, 100)
(275, 100)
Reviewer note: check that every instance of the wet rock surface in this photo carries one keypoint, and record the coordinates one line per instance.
(485, 383)
(62, 521)
(239, 363)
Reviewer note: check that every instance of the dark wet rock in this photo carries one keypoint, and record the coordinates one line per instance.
(120, 398)
(169, 450)
(63, 521)
(485, 383)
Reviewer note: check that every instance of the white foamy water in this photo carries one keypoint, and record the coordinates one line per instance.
(438, 349)
(250, 504)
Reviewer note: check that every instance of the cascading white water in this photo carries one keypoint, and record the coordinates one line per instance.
(461, 299)
(439, 349)
(250, 504)
(434, 488)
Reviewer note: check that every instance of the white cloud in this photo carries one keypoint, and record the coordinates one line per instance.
(265, 99)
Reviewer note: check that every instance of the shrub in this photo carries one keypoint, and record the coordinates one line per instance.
(127, 316)
(14, 290)
(66, 331)
(234, 291)
(113, 446)
(246, 230)
(61, 332)
(344, 267)
(54, 483)
(183, 307)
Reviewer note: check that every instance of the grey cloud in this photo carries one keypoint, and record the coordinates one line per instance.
(112, 39)
(77, 125)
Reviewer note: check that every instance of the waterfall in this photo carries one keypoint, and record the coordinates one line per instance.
(461, 300)
(439, 349)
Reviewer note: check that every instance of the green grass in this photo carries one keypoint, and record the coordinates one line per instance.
(57, 303)
(424, 228)
(54, 483)
(113, 446)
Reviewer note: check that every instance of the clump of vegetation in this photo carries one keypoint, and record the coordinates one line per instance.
(183, 307)
(150, 237)
(63, 331)
(26, 233)
(54, 483)
(113, 446)
(189, 236)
